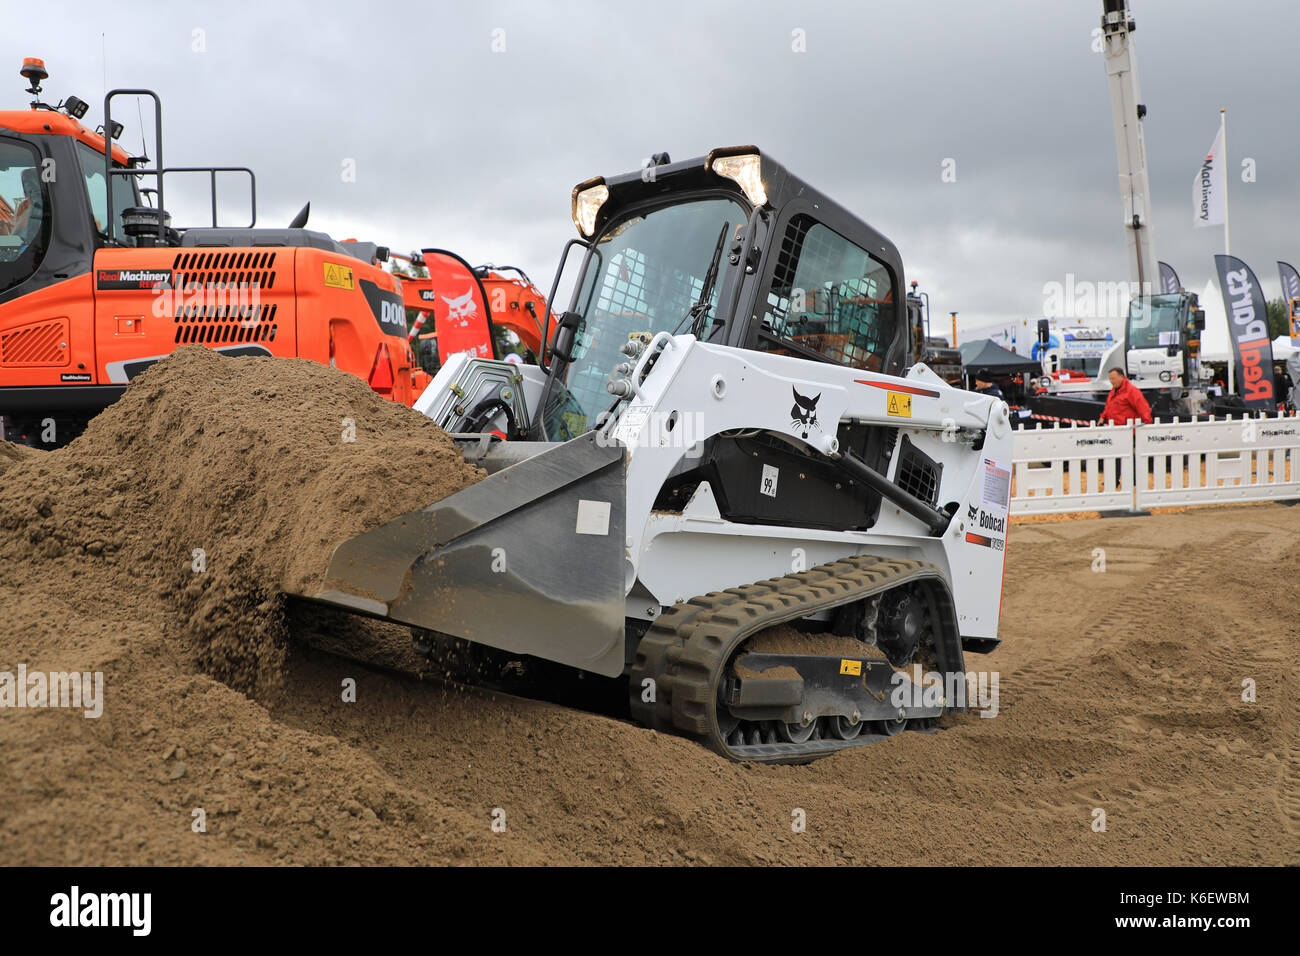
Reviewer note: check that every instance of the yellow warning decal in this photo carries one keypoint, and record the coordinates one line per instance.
(852, 668)
(900, 405)
(337, 276)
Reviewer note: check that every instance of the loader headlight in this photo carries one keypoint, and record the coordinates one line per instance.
(588, 197)
(743, 165)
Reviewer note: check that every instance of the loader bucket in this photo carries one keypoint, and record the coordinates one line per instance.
(529, 560)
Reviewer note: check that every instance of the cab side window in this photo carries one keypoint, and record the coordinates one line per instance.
(92, 170)
(124, 197)
(829, 296)
(24, 213)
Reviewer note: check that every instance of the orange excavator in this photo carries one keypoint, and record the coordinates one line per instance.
(96, 284)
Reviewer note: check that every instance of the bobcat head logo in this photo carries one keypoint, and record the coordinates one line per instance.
(972, 512)
(463, 308)
(803, 416)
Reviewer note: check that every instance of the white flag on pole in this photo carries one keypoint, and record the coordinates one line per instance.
(1210, 187)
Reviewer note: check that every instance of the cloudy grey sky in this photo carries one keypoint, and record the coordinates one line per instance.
(460, 145)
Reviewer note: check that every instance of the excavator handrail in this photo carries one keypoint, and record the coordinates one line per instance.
(159, 171)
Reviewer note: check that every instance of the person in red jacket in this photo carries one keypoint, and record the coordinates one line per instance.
(1124, 402)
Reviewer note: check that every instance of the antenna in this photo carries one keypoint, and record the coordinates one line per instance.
(144, 150)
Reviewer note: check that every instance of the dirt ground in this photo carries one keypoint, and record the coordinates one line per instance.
(1119, 690)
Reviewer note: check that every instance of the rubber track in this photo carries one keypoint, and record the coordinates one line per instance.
(687, 647)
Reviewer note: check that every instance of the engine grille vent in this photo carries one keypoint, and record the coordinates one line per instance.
(228, 270)
(918, 473)
(218, 297)
(41, 345)
(217, 326)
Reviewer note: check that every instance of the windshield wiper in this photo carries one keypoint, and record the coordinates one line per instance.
(700, 309)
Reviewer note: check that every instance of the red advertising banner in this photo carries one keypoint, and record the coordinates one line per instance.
(459, 305)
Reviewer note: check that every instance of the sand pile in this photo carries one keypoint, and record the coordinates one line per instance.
(155, 549)
(217, 484)
(1121, 691)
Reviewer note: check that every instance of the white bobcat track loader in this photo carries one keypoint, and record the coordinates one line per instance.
(720, 472)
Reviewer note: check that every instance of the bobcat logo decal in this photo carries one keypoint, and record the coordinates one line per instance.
(463, 308)
(803, 416)
(972, 512)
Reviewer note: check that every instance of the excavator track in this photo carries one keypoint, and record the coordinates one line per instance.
(685, 655)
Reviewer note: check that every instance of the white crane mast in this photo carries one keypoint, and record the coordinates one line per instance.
(1117, 29)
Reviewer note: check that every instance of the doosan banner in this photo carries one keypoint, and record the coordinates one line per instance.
(1210, 187)
(1243, 304)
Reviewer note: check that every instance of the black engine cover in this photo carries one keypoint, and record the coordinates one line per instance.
(807, 492)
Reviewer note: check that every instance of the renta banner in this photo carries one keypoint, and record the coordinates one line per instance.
(1247, 315)
(1169, 281)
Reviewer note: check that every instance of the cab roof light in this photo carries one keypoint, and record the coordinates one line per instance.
(588, 197)
(33, 72)
(744, 166)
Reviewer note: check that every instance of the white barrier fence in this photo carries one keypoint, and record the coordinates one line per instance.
(1119, 467)
(1085, 468)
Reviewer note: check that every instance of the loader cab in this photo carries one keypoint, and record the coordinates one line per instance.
(647, 272)
(734, 249)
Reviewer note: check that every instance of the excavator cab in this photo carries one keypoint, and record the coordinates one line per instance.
(24, 222)
(50, 223)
